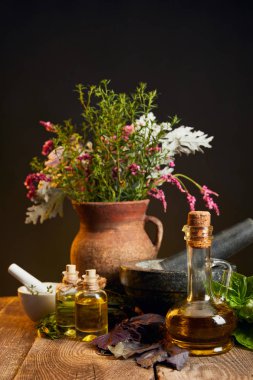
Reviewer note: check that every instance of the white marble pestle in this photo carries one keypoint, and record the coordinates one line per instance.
(27, 279)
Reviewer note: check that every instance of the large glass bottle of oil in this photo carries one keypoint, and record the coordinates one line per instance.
(202, 323)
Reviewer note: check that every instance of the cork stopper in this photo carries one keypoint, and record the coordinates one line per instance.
(199, 219)
(70, 275)
(91, 275)
(198, 231)
(90, 279)
(70, 268)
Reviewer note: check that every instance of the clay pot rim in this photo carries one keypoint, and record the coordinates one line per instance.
(144, 201)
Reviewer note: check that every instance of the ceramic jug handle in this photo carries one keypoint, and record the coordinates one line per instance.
(159, 233)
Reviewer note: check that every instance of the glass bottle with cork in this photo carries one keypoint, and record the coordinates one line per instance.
(65, 298)
(91, 310)
(203, 323)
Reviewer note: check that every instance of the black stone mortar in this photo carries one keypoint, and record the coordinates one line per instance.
(154, 289)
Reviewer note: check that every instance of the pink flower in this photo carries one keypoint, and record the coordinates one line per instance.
(173, 180)
(159, 194)
(47, 125)
(154, 149)
(31, 183)
(84, 156)
(47, 147)
(209, 200)
(127, 131)
(191, 200)
(172, 164)
(134, 169)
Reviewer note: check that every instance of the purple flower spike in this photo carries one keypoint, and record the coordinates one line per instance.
(209, 200)
(191, 200)
(159, 194)
(173, 180)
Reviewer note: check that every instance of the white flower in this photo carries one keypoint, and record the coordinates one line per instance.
(159, 173)
(184, 140)
(151, 117)
(144, 120)
(148, 128)
(141, 122)
(49, 203)
(54, 157)
(166, 126)
(166, 170)
(44, 190)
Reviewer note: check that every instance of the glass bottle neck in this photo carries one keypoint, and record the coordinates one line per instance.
(199, 273)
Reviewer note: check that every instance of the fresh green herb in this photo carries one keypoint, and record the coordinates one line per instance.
(239, 296)
(244, 334)
(32, 289)
(50, 289)
(47, 327)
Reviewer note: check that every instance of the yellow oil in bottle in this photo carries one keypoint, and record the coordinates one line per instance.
(91, 311)
(65, 298)
(65, 310)
(202, 324)
(200, 328)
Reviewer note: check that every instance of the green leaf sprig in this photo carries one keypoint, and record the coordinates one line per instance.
(47, 327)
(239, 297)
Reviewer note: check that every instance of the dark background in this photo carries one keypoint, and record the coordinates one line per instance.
(198, 54)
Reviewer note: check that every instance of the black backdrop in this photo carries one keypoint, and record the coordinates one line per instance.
(198, 54)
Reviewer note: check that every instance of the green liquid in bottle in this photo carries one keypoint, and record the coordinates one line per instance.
(65, 310)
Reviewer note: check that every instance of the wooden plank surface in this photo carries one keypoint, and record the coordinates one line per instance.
(68, 359)
(17, 335)
(237, 364)
(24, 356)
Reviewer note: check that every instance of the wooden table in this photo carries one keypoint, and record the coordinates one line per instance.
(25, 356)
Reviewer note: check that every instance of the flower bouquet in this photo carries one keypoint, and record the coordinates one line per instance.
(119, 153)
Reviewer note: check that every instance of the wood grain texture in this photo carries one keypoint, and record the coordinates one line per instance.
(68, 359)
(17, 335)
(237, 364)
(25, 357)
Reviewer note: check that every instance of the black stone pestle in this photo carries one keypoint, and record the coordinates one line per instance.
(225, 244)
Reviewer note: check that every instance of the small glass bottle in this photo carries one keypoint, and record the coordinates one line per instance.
(91, 311)
(202, 323)
(65, 298)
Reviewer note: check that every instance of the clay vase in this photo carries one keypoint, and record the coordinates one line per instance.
(112, 233)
